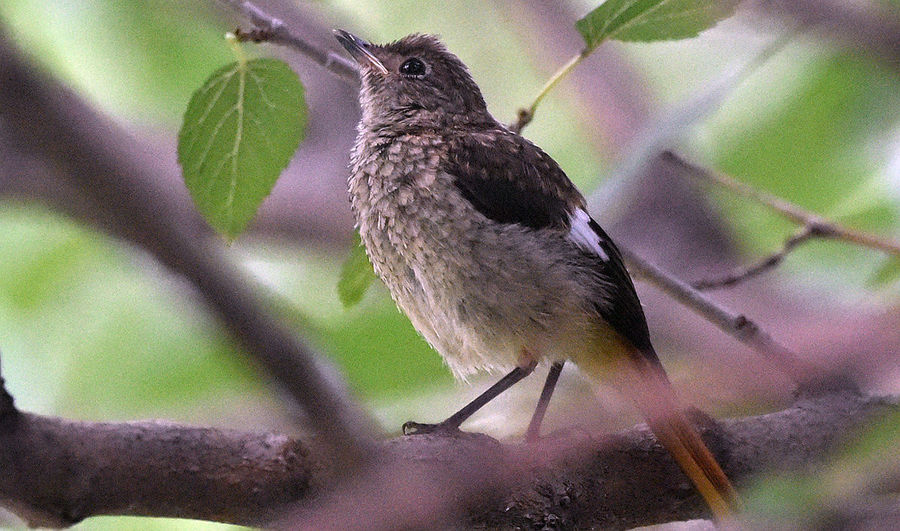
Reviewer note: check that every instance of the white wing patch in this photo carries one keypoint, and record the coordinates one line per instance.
(582, 234)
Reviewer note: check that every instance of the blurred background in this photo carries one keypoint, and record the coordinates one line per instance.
(92, 328)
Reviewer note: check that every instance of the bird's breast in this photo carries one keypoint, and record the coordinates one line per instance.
(480, 292)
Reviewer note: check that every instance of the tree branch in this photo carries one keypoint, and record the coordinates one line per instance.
(58, 472)
(272, 29)
(810, 221)
(802, 372)
(811, 224)
(769, 262)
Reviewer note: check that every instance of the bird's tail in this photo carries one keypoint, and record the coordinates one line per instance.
(647, 384)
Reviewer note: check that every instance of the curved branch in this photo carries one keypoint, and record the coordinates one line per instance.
(761, 266)
(812, 222)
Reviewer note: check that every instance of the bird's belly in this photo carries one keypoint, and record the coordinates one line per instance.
(486, 300)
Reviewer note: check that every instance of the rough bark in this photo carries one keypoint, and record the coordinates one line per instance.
(57, 472)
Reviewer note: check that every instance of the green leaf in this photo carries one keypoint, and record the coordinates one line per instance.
(651, 20)
(356, 275)
(240, 131)
(887, 273)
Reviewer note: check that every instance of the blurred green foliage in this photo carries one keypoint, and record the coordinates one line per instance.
(376, 346)
(887, 274)
(868, 465)
(139, 59)
(91, 329)
(820, 150)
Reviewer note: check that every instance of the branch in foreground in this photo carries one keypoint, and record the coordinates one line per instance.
(58, 472)
(54, 125)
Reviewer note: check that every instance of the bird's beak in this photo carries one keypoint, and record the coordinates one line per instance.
(359, 49)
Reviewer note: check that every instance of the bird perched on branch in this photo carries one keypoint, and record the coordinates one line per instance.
(489, 249)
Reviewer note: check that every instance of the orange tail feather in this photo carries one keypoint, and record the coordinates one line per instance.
(655, 397)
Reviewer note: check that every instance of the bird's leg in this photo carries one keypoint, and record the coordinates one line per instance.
(534, 427)
(453, 422)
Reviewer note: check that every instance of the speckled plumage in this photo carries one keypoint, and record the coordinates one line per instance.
(467, 223)
(479, 292)
(486, 245)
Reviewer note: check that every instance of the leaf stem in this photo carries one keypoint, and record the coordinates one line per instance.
(236, 48)
(527, 114)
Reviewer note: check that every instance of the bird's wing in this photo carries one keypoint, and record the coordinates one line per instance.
(510, 180)
(623, 311)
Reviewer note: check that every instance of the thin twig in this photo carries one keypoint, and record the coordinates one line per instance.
(272, 29)
(823, 228)
(734, 324)
(741, 274)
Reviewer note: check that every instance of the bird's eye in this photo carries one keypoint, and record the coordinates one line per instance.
(413, 67)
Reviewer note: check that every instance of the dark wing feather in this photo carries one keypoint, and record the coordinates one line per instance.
(510, 180)
(623, 310)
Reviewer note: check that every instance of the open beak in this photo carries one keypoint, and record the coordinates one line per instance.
(359, 49)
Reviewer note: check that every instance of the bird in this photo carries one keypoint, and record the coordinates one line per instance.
(489, 249)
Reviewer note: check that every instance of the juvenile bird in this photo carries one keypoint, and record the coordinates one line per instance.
(489, 249)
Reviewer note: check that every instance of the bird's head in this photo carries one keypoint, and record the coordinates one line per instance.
(414, 81)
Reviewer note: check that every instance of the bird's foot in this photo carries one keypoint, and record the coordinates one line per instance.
(418, 428)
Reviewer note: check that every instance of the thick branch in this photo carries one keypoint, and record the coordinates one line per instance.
(57, 472)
